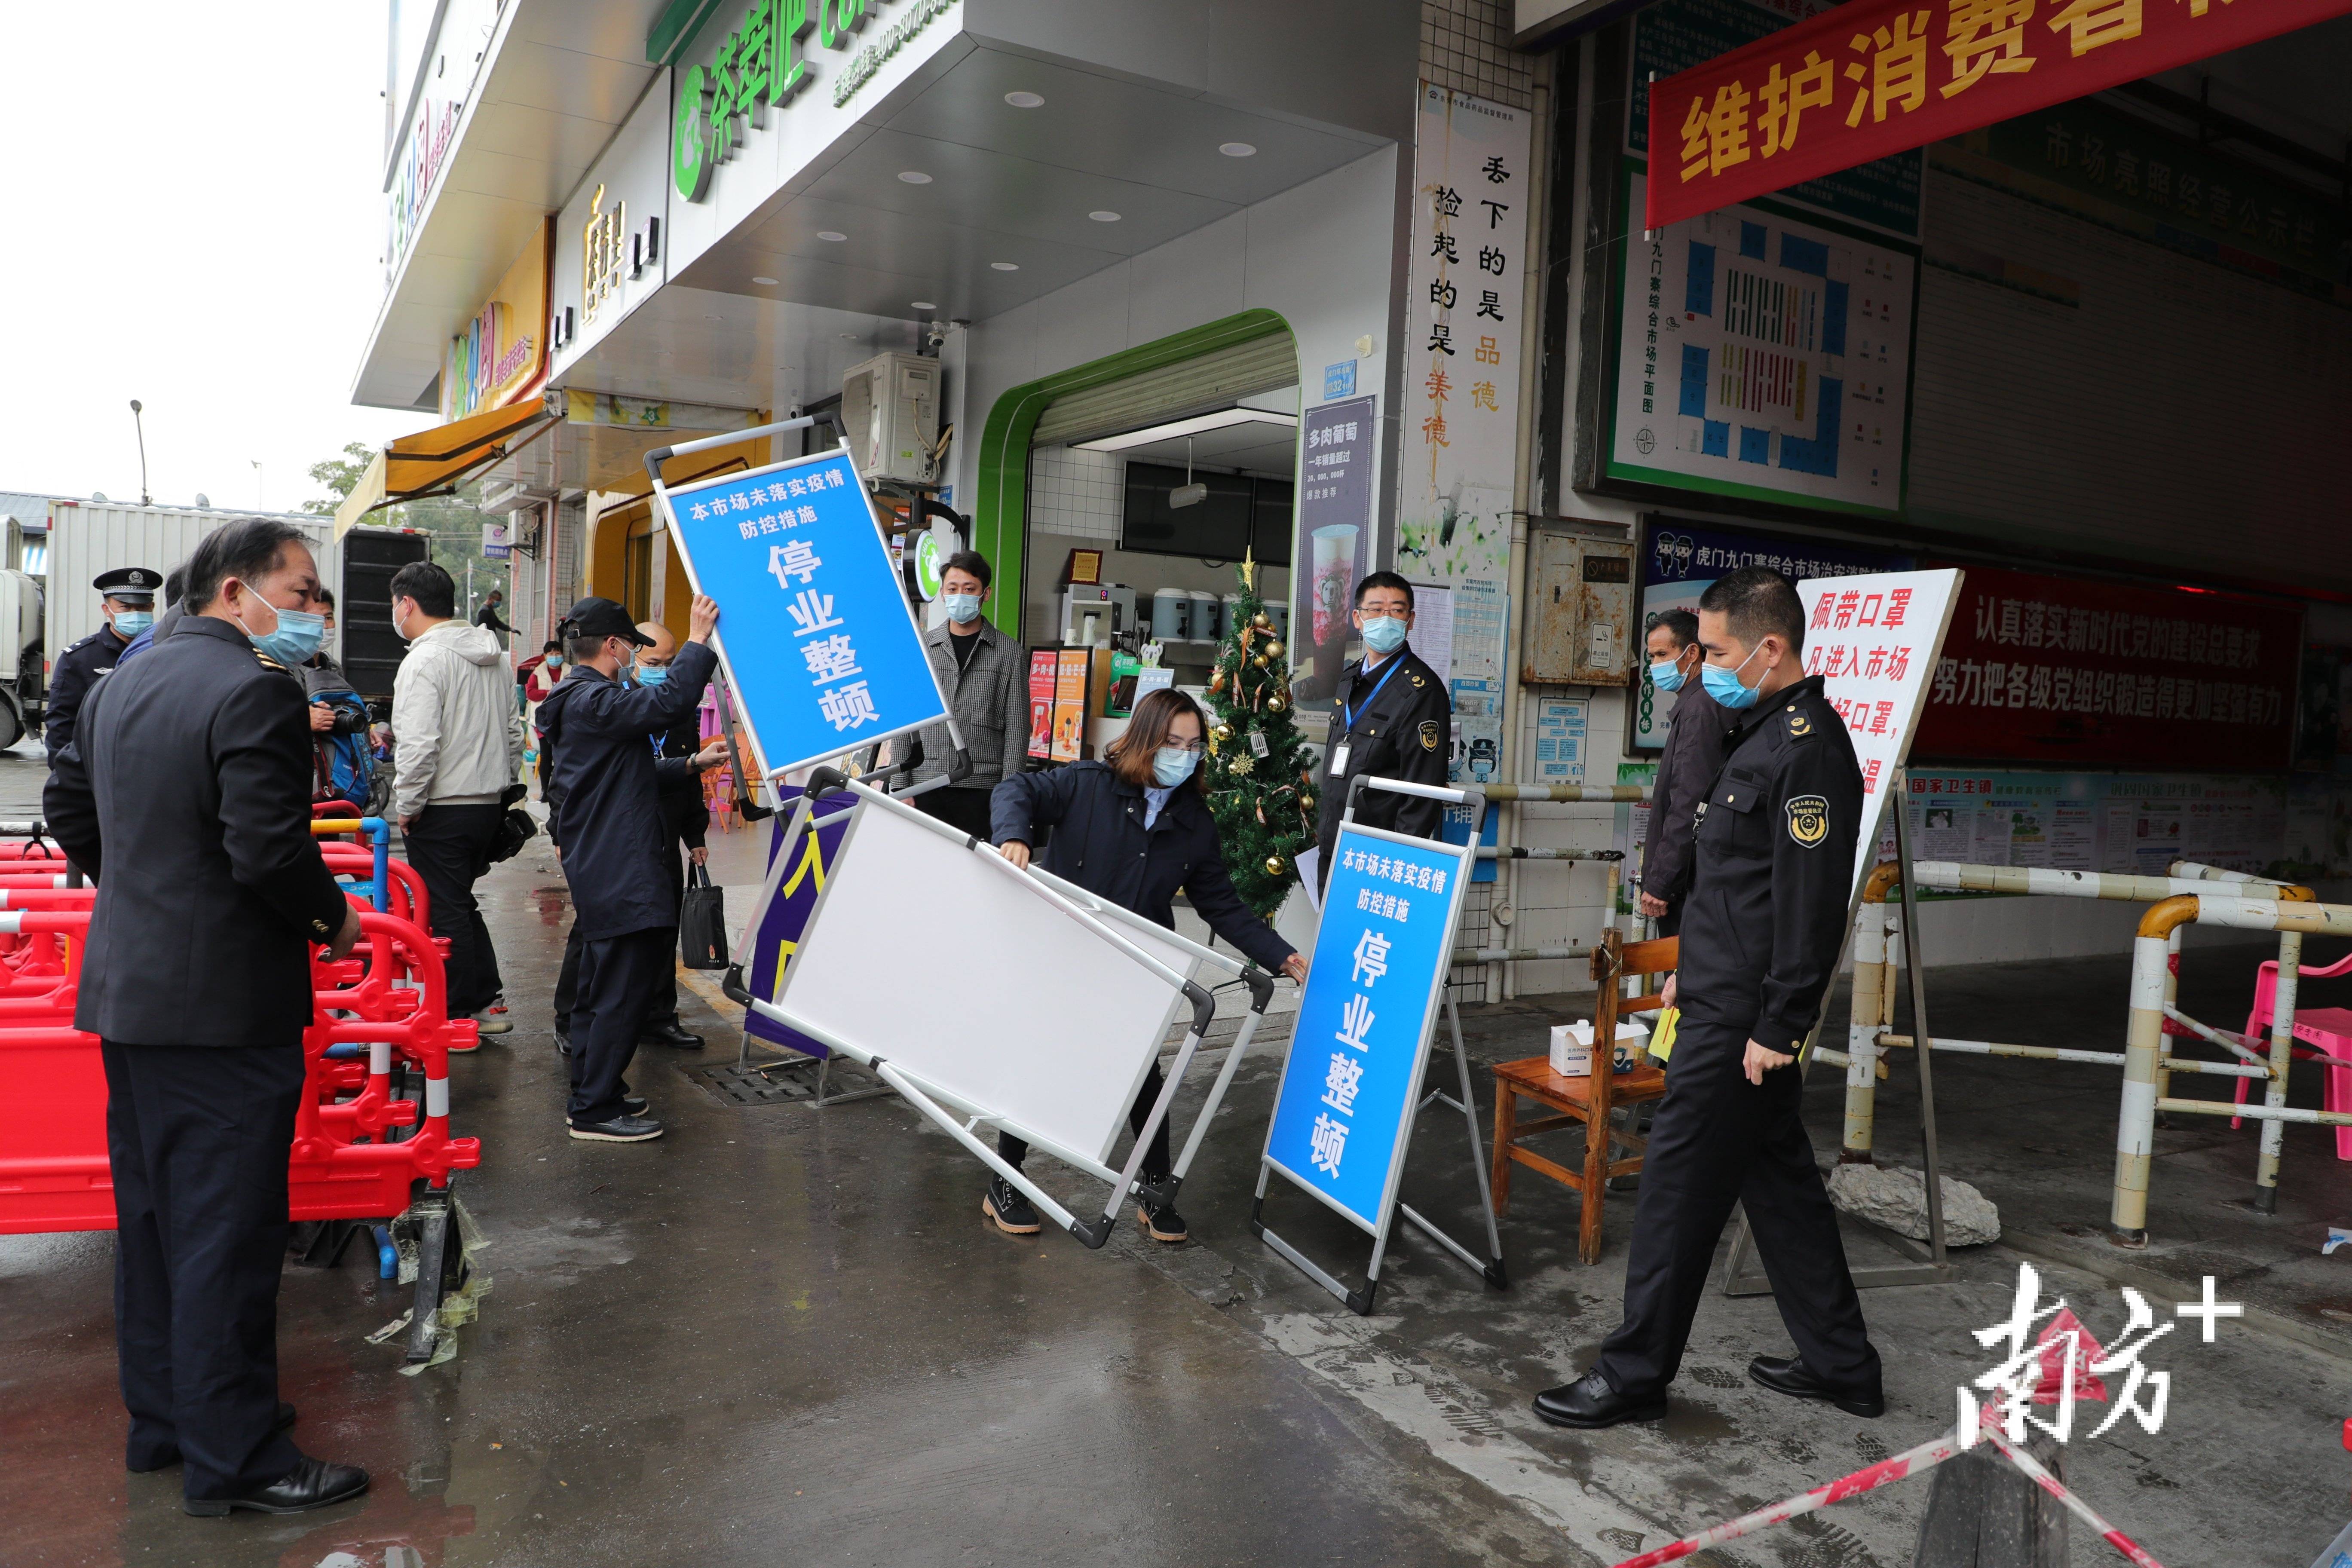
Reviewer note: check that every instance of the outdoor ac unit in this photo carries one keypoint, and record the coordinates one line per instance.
(891, 406)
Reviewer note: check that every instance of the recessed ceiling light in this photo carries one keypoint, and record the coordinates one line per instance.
(833, 235)
(914, 176)
(1237, 150)
(765, 282)
(1104, 217)
(922, 304)
(1024, 101)
(1006, 266)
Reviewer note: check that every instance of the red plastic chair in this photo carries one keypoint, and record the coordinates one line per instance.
(2321, 1032)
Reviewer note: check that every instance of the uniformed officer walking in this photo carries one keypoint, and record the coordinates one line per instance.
(128, 605)
(1393, 719)
(1760, 941)
(187, 792)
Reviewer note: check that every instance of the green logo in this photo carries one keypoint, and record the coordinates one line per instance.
(926, 565)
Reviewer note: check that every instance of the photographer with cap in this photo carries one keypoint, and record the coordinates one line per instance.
(617, 851)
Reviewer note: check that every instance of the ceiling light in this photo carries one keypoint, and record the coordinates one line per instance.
(922, 304)
(1024, 101)
(765, 282)
(1237, 150)
(1006, 266)
(1200, 423)
(835, 236)
(1104, 217)
(914, 176)
(709, 318)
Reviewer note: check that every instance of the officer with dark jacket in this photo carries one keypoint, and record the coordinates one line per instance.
(187, 792)
(607, 823)
(1134, 829)
(1694, 754)
(128, 601)
(1764, 924)
(1393, 719)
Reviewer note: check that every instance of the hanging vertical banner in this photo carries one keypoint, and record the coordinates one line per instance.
(1459, 450)
(1335, 541)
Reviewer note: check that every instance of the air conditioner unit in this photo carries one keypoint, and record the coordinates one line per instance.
(891, 406)
(502, 496)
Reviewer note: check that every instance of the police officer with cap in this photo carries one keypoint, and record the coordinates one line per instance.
(128, 603)
(619, 855)
(1393, 719)
(1761, 935)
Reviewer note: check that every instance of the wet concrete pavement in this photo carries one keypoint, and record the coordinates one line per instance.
(787, 1334)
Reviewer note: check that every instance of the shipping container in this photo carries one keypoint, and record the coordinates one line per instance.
(86, 538)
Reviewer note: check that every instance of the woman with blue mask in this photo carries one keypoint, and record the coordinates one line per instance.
(1135, 829)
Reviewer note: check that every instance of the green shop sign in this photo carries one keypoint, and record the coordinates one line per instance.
(764, 65)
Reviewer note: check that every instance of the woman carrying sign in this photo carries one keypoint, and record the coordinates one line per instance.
(1132, 828)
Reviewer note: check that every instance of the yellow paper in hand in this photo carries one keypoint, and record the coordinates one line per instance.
(1662, 1038)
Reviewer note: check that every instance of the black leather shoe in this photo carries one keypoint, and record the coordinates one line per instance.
(1589, 1402)
(562, 1043)
(1790, 1375)
(623, 1129)
(672, 1035)
(165, 1458)
(313, 1483)
(634, 1104)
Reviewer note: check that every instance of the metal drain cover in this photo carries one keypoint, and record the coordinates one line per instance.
(732, 1085)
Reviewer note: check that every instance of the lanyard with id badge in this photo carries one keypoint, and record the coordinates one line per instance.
(1347, 714)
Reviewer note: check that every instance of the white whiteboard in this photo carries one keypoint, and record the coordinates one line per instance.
(973, 979)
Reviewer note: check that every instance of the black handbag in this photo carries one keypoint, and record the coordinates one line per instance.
(702, 922)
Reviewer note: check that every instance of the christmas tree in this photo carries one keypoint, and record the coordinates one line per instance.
(1260, 774)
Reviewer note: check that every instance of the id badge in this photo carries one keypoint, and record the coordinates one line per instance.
(1339, 759)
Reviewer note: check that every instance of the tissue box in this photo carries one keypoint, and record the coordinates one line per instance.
(1572, 1048)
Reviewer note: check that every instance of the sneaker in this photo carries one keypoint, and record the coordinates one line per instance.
(1011, 1211)
(497, 1003)
(1163, 1224)
(492, 1021)
(623, 1129)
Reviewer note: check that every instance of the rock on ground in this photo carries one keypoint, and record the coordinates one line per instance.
(1897, 1199)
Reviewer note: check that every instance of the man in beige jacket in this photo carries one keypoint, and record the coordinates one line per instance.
(457, 745)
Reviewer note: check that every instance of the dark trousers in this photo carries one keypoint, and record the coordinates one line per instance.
(1719, 1138)
(450, 848)
(959, 808)
(1156, 1161)
(661, 1005)
(197, 1137)
(617, 978)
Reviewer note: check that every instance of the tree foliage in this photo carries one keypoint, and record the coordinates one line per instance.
(1261, 775)
(454, 521)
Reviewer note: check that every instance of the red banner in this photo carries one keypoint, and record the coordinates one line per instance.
(1874, 78)
(2066, 673)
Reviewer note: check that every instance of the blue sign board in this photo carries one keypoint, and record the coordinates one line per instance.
(818, 642)
(1344, 1112)
(1455, 828)
(785, 903)
(1339, 380)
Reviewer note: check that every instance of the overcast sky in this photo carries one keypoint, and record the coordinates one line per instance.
(195, 212)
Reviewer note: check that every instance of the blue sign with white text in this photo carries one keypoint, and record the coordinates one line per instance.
(813, 624)
(1339, 380)
(1345, 1108)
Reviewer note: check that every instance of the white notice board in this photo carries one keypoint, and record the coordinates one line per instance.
(1875, 639)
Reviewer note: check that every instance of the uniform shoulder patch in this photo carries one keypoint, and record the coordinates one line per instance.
(1809, 820)
(1429, 737)
(1419, 681)
(267, 662)
(1799, 725)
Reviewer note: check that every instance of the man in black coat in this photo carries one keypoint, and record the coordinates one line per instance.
(186, 793)
(128, 600)
(620, 861)
(1694, 755)
(1393, 719)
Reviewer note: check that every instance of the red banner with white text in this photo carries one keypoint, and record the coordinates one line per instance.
(1874, 78)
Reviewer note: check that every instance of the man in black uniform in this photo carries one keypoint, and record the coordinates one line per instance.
(1766, 923)
(129, 604)
(1686, 770)
(1393, 719)
(186, 791)
(618, 858)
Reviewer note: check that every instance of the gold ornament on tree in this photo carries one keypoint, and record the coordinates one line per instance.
(1262, 622)
(1275, 865)
(1240, 763)
(1272, 649)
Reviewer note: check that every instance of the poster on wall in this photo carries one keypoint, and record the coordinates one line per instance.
(1681, 562)
(1458, 458)
(2065, 671)
(1335, 542)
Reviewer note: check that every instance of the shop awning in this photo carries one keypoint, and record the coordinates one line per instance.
(432, 462)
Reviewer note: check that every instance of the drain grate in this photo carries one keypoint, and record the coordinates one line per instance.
(732, 1085)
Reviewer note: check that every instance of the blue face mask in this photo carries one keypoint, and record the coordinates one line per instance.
(1383, 634)
(1723, 685)
(1666, 675)
(294, 639)
(1171, 765)
(652, 674)
(962, 608)
(129, 624)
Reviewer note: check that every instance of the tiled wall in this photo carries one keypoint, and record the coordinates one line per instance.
(1465, 44)
(1076, 493)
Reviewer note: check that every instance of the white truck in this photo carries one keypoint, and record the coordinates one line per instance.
(24, 668)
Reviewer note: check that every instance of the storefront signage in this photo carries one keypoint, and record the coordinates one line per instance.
(764, 65)
(500, 358)
(430, 141)
(2068, 671)
(1459, 452)
(1873, 78)
(603, 253)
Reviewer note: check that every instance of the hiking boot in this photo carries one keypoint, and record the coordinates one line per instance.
(1012, 1212)
(1162, 1224)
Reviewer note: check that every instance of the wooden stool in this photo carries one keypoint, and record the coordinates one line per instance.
(1587, 1100)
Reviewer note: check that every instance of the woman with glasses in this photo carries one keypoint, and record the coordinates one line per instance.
(1132, 828)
